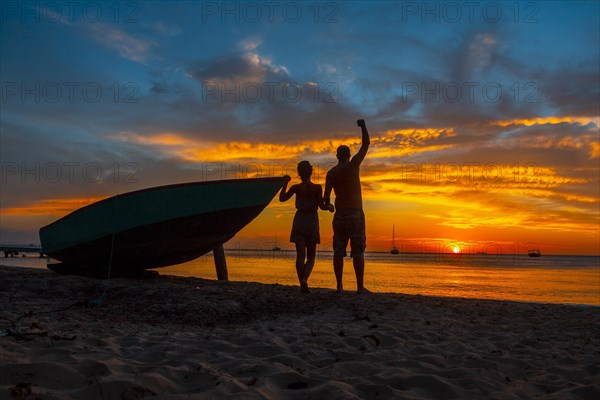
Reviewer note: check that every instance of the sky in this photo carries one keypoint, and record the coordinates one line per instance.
(484, 116)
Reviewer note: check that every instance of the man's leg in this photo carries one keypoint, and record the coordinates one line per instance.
(340, 242)
(358, 244)
(359, 269)
(338, 268)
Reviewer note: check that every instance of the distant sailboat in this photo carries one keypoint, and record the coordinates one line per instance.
(394, 248)
(275, 246)
(534, 253)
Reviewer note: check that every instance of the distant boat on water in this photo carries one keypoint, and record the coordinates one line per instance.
(275, 246)
(394, 248)
(534, 253)
(155, 227)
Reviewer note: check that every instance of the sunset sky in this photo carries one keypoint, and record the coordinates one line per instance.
(484, 121)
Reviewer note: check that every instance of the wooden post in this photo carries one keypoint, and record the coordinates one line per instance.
(220, 263)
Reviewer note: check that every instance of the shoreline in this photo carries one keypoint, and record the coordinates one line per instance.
(178, 336)
(583, 305)
(575, 284)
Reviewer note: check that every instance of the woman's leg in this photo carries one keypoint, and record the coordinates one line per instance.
(300, 256)
(311, 250)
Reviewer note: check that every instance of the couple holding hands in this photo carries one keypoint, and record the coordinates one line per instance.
(348, 220)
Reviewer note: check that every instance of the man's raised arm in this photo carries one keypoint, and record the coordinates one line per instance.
(366, 141)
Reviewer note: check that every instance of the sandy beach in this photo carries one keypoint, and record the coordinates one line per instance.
(176, 337)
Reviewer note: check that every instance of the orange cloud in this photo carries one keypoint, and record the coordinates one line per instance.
(55, 207)
(595, 153)
(469, 176)
(391, 144)
(549, 120)
(527, 197)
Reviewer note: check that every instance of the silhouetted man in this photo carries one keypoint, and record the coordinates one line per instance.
(349, 219)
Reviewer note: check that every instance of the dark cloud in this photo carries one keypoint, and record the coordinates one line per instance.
(573, 91)
(242, 68)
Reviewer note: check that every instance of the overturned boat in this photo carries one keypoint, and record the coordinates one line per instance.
(155, 227)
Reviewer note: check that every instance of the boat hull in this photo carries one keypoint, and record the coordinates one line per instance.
(184, 232)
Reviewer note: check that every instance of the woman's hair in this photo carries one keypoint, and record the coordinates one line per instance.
(304, 170)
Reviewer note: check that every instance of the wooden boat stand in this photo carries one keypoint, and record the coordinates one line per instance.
(220, 263)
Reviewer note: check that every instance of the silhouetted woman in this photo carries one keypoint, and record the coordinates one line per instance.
(305, 229)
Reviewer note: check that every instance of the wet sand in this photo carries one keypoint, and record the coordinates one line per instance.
(177, 337)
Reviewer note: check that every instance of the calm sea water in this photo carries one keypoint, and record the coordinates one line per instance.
(552, 279)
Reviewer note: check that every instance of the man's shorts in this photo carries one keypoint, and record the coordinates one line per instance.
(349, 224)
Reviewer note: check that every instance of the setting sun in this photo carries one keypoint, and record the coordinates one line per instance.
(456, 249)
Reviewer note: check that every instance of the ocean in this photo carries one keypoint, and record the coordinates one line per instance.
(547, 279)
